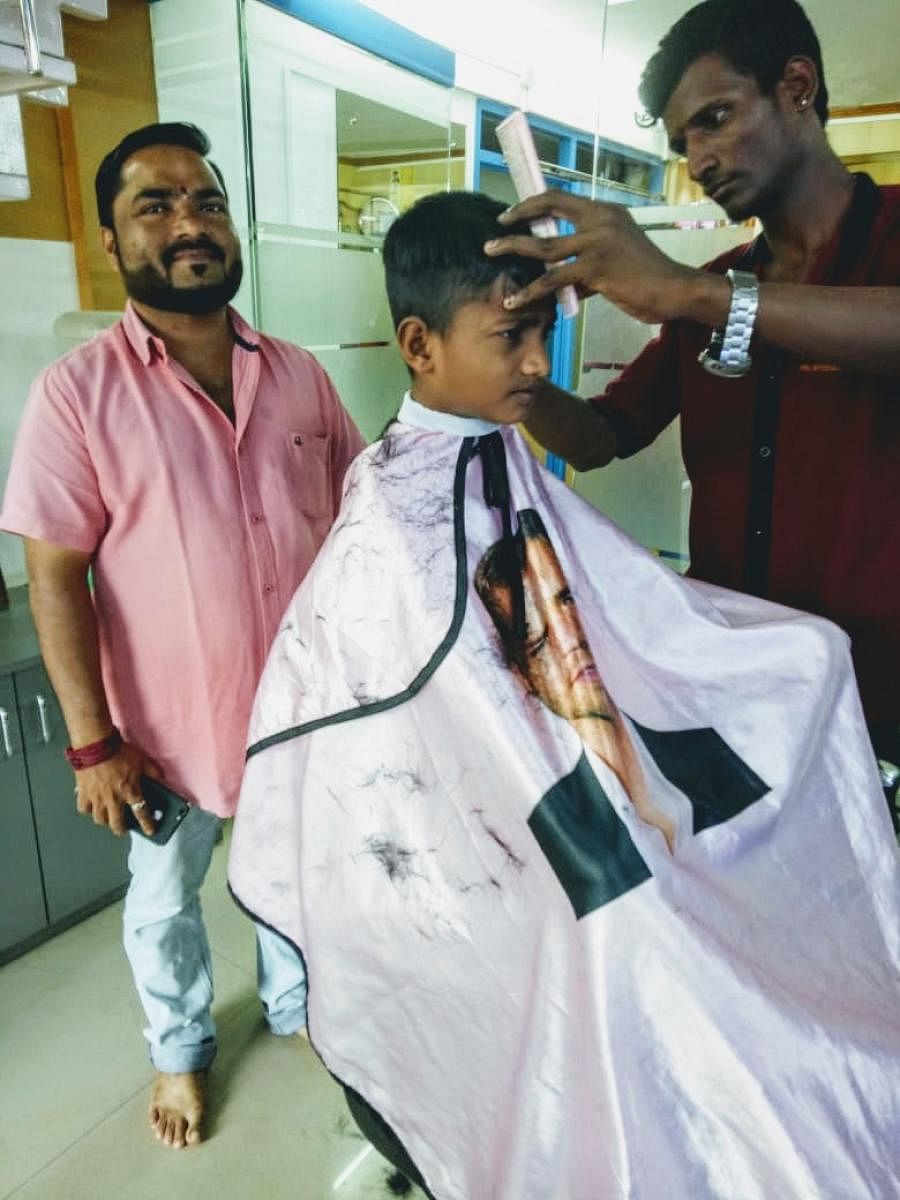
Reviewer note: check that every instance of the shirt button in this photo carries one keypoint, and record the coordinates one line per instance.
(764, 452)
(256, 518)
(268, 588)
(298, 440)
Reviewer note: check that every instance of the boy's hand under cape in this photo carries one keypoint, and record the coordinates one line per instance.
(611, 256)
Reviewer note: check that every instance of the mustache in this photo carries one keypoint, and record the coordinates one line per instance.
(170, 253)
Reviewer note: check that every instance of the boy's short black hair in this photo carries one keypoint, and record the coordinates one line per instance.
(434, 259)
(108, 180)
(757, 37)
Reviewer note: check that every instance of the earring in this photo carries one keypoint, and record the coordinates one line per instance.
(803, 101)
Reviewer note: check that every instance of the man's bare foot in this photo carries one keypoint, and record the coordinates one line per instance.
(176, 1108)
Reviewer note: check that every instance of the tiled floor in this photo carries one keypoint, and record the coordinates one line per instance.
(74, 1082)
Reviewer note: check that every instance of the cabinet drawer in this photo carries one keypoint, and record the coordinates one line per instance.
(82, 862)
(22, 910)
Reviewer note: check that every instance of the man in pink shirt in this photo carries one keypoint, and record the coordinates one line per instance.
(195, 465)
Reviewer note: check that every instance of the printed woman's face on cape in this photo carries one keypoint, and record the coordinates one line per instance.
(555, 661)
(490, 362)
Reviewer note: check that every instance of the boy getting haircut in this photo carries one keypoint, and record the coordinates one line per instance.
(554, 827)
(434, 258)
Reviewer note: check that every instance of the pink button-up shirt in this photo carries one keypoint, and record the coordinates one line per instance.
(200, 530)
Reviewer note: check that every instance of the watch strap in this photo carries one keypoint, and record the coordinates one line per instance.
(728, 353)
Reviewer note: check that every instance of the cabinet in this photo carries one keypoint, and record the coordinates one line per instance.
(22, 912)
(55, 865)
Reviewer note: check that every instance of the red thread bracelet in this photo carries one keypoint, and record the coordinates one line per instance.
(94, 753)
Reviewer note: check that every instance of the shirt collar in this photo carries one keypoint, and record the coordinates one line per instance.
(413, 413)
(146, 343)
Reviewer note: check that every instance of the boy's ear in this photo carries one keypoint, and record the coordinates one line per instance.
(416, 342)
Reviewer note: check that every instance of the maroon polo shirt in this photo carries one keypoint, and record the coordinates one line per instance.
(795, 468)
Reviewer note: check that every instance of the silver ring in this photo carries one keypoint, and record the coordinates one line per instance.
(138, 804)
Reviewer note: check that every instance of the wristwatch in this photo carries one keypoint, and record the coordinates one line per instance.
(728, 351)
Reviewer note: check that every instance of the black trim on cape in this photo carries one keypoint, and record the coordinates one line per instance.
(371, 1123)
(467, 452)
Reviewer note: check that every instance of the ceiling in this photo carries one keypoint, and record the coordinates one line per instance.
(859, 39)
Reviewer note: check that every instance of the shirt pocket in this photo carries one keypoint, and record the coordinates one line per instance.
(309, 464)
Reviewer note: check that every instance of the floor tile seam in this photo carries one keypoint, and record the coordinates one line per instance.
(122, 1103)
(244, 970)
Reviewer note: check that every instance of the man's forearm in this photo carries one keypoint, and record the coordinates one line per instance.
(853, 327)
(608, 254)
(570, 427)
(67, 630)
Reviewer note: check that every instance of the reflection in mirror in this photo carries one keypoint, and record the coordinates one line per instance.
(387, 159)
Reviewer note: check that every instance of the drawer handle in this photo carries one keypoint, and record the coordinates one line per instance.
(42, 718)
(4, 733)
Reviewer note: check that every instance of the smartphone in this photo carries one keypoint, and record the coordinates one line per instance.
(167, 809)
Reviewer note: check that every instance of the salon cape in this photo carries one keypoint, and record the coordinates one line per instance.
(727, 1027)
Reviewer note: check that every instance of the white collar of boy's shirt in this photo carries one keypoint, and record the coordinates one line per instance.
(413, 413)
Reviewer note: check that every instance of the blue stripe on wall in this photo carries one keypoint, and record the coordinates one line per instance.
(354, 23)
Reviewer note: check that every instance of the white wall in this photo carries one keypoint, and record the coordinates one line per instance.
(45, 287)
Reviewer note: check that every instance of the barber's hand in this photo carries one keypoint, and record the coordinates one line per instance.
(612, 257)
(103, 791)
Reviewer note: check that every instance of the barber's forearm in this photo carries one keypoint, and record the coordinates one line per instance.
(570, 427)
(856, 327)
(67, 630)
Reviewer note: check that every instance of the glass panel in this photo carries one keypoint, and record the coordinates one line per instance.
(343, 142)
(647, 495)
(584, 157)
(198, 78)
(547, 144)
(13, 167)
(497, 183)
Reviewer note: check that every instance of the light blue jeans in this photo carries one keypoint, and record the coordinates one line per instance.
(166, 944)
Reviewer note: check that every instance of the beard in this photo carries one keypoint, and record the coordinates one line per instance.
(149, 285)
